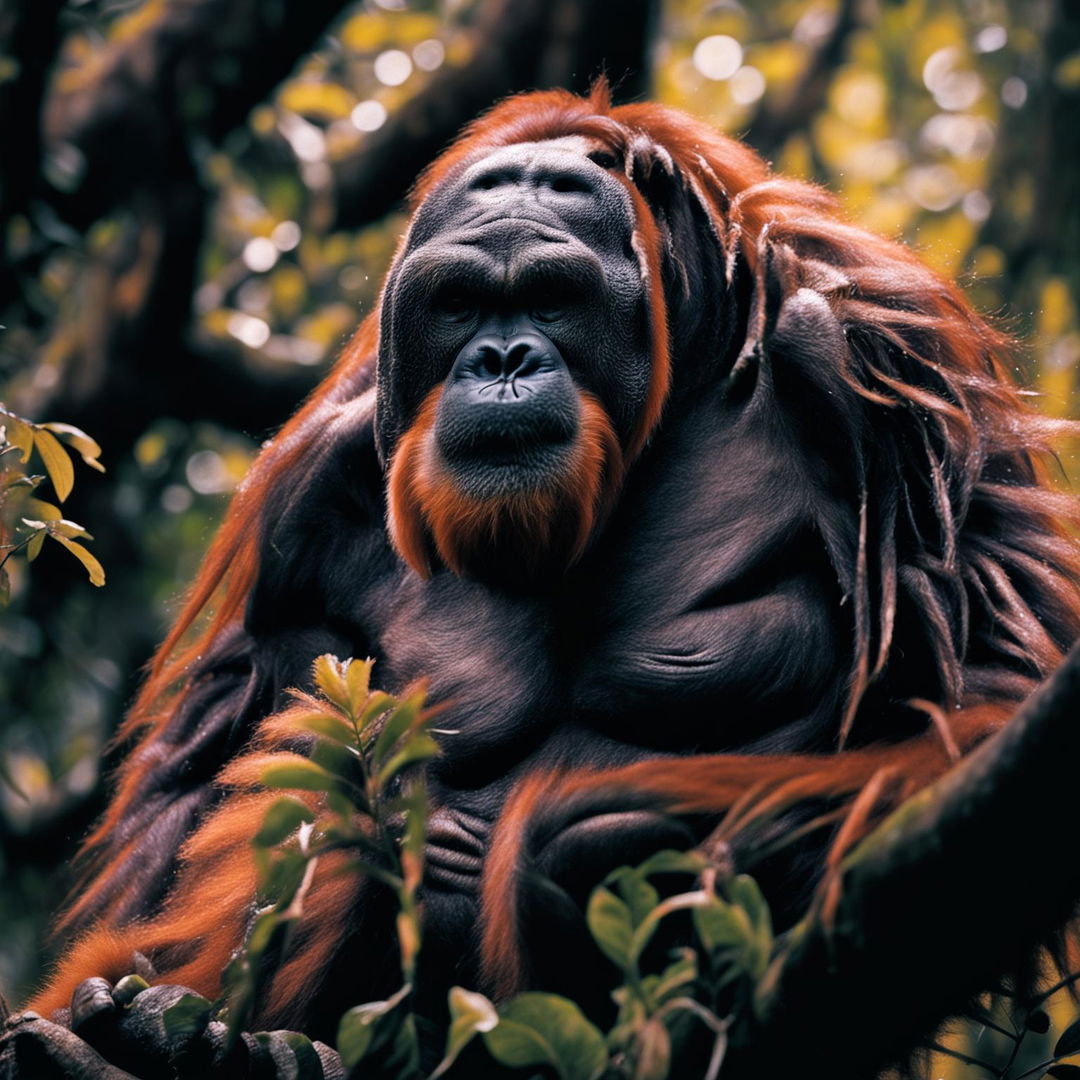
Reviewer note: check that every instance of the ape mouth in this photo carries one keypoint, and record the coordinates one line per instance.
(499, 455)
(508, 417)
(511, 502)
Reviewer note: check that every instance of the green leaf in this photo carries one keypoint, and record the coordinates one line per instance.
(94, 569)
(328, 725)
(358, 683)
(611, 925)
(676, 976)
(673, 862)
(187, 1018)
(545, 1029)
(639, 895)
(721, 925)
(373, 1027)
(330, 678)
(336, 758)
(86, 447)
(303, 775)
(1069, 1043)
(397, 724)
(128, 989)
(419, 748)
(470, 1014)
(744, 891)
(377, 704)
(284, 817)
(262, 934)
(57, 463)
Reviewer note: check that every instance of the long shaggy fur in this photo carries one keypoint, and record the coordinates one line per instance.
(950, 545)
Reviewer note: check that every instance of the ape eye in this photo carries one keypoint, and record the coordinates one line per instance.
(604, 158)
(455, 307)
(548, 311)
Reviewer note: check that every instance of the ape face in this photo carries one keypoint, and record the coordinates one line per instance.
(515, 361)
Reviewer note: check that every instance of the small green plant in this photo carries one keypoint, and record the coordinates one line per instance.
(360, 791)
(25, 520)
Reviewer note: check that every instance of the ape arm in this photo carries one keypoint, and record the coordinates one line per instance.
(914, 927)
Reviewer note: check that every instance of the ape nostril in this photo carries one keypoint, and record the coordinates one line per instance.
(520, 359)
(492, 360)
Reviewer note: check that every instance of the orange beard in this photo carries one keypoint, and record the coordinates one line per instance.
(547, 526)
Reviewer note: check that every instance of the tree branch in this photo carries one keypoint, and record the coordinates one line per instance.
(779, 120)
(918, 928)
(198, 68)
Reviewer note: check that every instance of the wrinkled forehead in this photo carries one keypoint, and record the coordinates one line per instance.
(555, 184)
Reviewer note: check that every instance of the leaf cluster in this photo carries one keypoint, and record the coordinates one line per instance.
(27, 521)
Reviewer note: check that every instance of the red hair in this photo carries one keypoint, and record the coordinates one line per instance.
(555, 521)
(950, 522)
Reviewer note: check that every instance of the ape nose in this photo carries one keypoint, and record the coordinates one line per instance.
(515, 358)
(505, 359)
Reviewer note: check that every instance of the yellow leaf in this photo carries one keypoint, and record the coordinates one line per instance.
(93, 568)
(33, 549)
(70, 529)
(323, 101)
(57, 463)
(43, 510)
(19, 433)
(86, 447)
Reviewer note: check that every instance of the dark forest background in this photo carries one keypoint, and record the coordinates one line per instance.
(198, 200)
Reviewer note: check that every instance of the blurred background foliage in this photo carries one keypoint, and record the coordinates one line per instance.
(198, 200)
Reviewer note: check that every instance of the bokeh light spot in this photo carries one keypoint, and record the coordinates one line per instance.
(285, 235)
(718, 57)
(1014, 92)
(428, 55)
(207, 473)
(248, 329)
(260, 254)
(392, 67)
(369, 116)
(747, 85)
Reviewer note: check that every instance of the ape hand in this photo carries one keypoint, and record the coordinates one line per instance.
(122, 1032)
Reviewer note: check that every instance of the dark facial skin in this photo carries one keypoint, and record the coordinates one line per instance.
(517, 272)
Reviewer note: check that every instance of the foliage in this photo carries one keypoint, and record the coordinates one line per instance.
(358, 791)
(681, 1007)
(26, 521)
